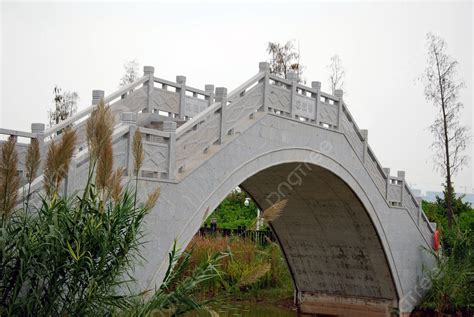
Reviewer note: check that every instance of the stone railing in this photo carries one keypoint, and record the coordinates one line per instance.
(211, 126)
(195, 122)
(287, 98)
(148, 95)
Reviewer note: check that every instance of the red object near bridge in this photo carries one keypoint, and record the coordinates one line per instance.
(436, 240)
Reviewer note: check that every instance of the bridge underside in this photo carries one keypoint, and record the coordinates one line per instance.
(330, 244)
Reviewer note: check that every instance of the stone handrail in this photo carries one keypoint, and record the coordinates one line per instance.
(17, 133)
(216, 106)
(216, 115)
(87, 111)
(341, 121)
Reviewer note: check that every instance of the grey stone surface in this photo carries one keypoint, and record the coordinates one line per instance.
(350, 232)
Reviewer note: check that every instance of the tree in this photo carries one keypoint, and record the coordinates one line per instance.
(284, 57)
(336, 73)
(235, 210)
(131, 73)
(450, 137)
(65, 105)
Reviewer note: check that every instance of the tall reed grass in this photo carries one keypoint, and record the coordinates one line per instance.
(247, 270)
(73, 256)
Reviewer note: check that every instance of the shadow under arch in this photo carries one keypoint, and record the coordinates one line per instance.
(374, 277)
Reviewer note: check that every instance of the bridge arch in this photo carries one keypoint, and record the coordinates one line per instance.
(361, 242)
(201, 144)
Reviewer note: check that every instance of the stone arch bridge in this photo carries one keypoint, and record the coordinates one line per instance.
(352, 234)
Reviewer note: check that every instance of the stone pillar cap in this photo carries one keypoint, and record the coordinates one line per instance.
(148, 70)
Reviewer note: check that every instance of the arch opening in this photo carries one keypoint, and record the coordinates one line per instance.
(331, 246)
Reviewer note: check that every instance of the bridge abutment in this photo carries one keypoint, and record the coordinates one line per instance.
(330, 305)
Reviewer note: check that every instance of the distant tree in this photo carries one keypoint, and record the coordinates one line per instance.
(235, 210)
(131, 73)
(336, 73)
(284, 57)
(436, 211)
(450, 137)
(65, 105)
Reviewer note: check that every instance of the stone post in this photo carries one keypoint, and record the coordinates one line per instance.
(401, 176)
(181, 80)
(339, 93)
(170, 126)
(221, 96)
(420, 209)
(386, 170)
(130, 119)
(265, 67)
(210, 90)
(38, 129)
(365, 136)
(293, 77)
(150, 72)
(97, 95)
(316, 85)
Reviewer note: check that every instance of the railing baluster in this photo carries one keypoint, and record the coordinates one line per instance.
(170, 126)
(221, 96)
(293, 77)
(339, 93)
(316, 85)
(181, 80)
(149, 71)
(265, 67)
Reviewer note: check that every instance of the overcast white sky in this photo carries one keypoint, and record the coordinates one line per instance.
(82, 46)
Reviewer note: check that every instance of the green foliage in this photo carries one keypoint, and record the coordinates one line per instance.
(68, 256)
(452, 282)
(233, 212)
(176, 294)
(71, 256)
(463, 212)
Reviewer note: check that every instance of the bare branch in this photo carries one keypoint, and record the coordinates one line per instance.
(284, 58)
(336, 73)
(450, 137)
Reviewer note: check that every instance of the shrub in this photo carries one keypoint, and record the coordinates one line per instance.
(71, 256)
(247, 269)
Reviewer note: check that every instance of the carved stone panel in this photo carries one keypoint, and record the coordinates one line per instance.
(164, 100)
(243, 106)
(304, 107)
(352, 136)
(279, 98)
(156, 157)
(376, 175)
(196, 141)
(394, 192)
(134, 102)
(328, 113)
(194, 105)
